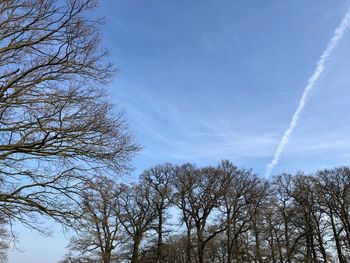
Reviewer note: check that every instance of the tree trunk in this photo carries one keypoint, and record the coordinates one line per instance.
(160, 238)
(321, 244)
(272, 245)
(308, 258)
(201, 255)
(201, 246)
(188, 245)
(286, 234)
(279, 246)
(257, 244)
(106, 256)
(135, 251)
(237, 251)
(336, 238)
(229, 242)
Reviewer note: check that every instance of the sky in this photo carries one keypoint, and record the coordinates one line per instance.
(202, 81)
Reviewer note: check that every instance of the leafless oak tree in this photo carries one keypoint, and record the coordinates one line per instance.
(137, 216)
(198, 194)
(159, 179)
(56, 124)
(98, 230)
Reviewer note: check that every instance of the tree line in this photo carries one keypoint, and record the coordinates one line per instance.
(223, 214)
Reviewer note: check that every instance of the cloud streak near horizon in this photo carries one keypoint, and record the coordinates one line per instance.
(320, 67)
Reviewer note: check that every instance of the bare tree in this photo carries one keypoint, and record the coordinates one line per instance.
(286, 234)
(234, 208)
(308, 220)
(56, 124)
(243, 196)
(272, 231)
(198, 196)
(184, 181)
(98, 231)
(257, 202)
(159, 179)
(333, 187)
(137, 215)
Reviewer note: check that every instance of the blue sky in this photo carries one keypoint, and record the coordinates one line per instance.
(202, 81)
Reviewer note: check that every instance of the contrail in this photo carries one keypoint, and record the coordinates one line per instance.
(320, 67)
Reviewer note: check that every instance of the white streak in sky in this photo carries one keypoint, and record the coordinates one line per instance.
(321, 65)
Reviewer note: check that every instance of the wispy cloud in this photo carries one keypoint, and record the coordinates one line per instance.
(170, 133)
(320, 67)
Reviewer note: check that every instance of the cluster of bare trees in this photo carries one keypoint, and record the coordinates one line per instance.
(184, 214)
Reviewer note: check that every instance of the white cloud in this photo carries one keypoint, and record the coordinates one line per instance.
(321, 66)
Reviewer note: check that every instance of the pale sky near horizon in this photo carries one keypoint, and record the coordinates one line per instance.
(202, 81)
